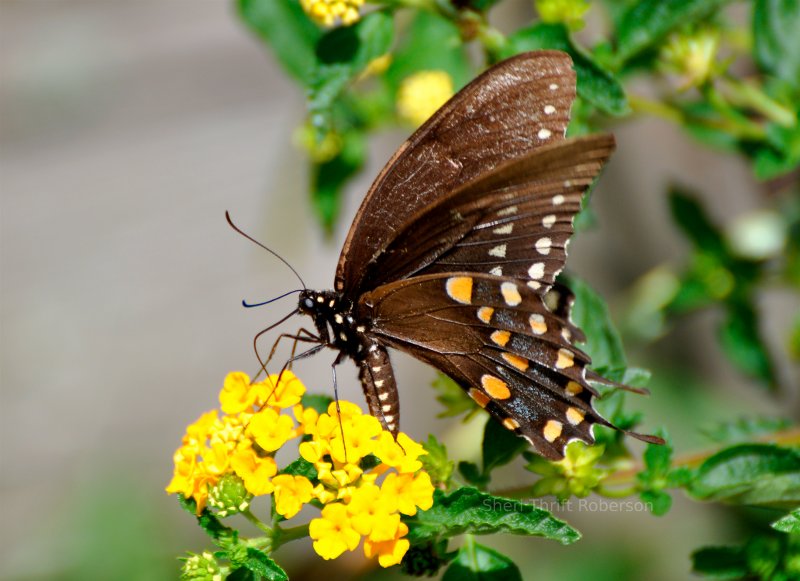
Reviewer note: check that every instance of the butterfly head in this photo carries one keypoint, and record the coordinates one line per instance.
(333, 318)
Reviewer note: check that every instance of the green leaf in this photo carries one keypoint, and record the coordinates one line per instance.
(789, 524)
(744, 429)
(472, 474)
(207, 521)
(603, 343)
(741, 340)
(259, 563)
(285, 27)
(720, 562)
(342, 55)
(776, 45)
(500, 446)
(646, 23)
(692, 219)
(316, 401)
(451, 395)
(595, 84)
(435, 462)
(468, 510)
(659, 501)
(301, 467)
(242, 574)
(750, 474)
(475, 562)
(417, 53)
(329, 178)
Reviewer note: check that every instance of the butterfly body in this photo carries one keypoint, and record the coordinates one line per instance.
(454, 253)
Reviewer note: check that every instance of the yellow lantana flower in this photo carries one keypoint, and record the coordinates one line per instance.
(291, 493)
(271, 430)
(409, 491)
(328, 12)
(333, 534)
(422, 94)
(389, 552)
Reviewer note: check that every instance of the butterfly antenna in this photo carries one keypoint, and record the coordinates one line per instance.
(254, 241)
(251, 305)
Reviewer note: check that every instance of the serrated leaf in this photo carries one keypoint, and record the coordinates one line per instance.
(285, 27)
(750, 474)
(744, 429)
(468, 510)
(789, 524)
(720, 562)
(776, 43)
(603, 343)
(207, 521)
(646, 23)
(261, 564)
(474, 562)
(740, 338)
(596, 84)
(301, 467)
(500, 446)
(242, 574)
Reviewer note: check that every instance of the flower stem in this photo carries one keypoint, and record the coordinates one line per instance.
(283, 536)
(749, 95)
(255, 520)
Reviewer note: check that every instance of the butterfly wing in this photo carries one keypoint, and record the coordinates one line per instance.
(495, 337)
(515, 221)
(508, 111)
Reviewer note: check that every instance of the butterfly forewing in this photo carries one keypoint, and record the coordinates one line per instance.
(511, 109)
(516, 221)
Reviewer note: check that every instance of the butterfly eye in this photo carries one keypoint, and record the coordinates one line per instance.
(308, 303)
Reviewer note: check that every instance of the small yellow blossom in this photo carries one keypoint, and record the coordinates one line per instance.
(285, 393)
(271, 430)
(401, 454)
(359, 434)
(333, 534)
(389, 552)
(253, 469)
(422, 94)
(327, 12)
(370, 510)
(291, 493)
(570, 12)
(236, 395)
(409, 491)
(692, 55)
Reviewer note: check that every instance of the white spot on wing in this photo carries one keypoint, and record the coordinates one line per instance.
(544, 133)
(558, 199)
(543, 245)
(549, 220)
(536, 270)
(504, 229)
(498, 251)
(549, 109)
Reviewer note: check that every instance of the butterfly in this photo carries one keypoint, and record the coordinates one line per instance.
(454, 253)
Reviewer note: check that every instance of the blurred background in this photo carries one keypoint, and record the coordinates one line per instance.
(126, 131)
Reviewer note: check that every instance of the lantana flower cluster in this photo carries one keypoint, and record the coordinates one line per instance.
(365, 478)
(328, 12)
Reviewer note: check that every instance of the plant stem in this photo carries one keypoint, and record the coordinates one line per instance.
(747, 94)
(255, 520)
(283, 536)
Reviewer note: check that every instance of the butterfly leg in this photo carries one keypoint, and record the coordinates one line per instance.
(380, 389)
(302, 336)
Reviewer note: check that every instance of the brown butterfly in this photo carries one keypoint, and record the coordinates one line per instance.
(454, 253)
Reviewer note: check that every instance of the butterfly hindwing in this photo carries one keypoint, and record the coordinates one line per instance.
(498, 340)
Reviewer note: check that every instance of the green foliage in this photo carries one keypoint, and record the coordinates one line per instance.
(467, 510)
(750, 474)
(475, 562)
